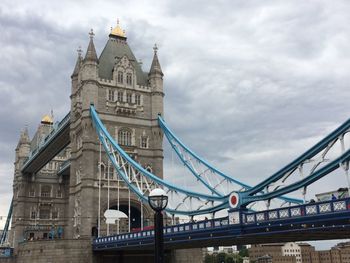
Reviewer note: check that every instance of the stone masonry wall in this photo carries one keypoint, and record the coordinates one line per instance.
(55, 251)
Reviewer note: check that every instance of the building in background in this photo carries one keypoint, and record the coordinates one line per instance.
(299, 253)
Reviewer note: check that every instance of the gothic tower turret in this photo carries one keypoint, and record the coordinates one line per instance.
(128, 101)
(19, 183)
(155, 77)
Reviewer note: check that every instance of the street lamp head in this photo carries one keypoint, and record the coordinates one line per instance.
(158, 199)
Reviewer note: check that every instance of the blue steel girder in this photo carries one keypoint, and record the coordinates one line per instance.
(309, 154)
(141, 181)
(180, 149)
(245, 198)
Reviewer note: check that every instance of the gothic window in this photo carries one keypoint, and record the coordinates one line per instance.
(128, 98)
(59, 192)
(120, 96)
(138, 99)
(46, 191)
(149, 168)
(129, 79)
(144, 142)
(54, 215)
(32, 215)
(44, 214)
(120, 77)
(102, 170)
(111, 95)
(124, 137)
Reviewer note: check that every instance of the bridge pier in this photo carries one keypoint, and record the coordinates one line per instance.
(80, 250)
(194, 255)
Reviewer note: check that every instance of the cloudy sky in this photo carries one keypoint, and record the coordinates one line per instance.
(249, 84)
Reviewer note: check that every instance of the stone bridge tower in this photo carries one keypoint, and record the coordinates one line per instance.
(128, 101)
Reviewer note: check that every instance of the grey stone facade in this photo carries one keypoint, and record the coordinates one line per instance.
(128, 101)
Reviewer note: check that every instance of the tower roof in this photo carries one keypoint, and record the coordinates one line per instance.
(155, 67)
(115, 49)
(91, 51)
(118, 31)
(46, 120)
(24, 138)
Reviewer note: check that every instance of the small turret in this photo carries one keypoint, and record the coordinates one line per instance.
(22, 149)
(24, 138)
(77, 64)
(91, 51)
(155, 78)
(155, 67)
(89, 66)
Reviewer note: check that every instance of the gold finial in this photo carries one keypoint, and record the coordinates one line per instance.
(91, 33)
(155, 48)
(118, 31)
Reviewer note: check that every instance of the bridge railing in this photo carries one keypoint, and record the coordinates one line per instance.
(168, 230)
(309, 209)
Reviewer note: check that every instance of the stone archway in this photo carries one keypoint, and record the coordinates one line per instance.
(135, 215)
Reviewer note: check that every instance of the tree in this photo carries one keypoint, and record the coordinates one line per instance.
(209, 259)
(243, 252)
(220, 258)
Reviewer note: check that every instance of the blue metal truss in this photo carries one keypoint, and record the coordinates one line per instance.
(180, 148)
(119, 159)
(316, 155)
(309, 154)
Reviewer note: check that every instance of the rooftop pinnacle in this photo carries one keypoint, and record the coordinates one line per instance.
(91, 51)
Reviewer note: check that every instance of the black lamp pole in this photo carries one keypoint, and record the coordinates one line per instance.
(158, 237)
(158, 200)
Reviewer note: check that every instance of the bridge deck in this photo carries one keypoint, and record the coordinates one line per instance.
(316, 221)
(53, 144)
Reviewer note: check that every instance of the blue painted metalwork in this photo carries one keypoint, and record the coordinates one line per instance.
(105, 137)
(7, 225)
(341, 130)
(245, 198)
(171, 136)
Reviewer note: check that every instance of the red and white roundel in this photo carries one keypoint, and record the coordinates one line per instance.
(233, 200)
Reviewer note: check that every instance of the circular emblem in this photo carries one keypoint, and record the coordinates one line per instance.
(233, 200)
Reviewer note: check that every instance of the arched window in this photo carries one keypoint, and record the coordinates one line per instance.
(138, 99)
(144, 142)
(128, 98)
(128, 79)
(120, 96)
(124, 137)
(120, 76)
(46, 191)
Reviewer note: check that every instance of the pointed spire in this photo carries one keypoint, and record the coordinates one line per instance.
(155, 67)
(78, 63)
(91, 51)
(24, 138)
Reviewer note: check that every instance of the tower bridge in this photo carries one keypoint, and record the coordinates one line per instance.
(107, 153)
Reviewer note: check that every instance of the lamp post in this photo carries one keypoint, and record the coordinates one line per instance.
(158, 201)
